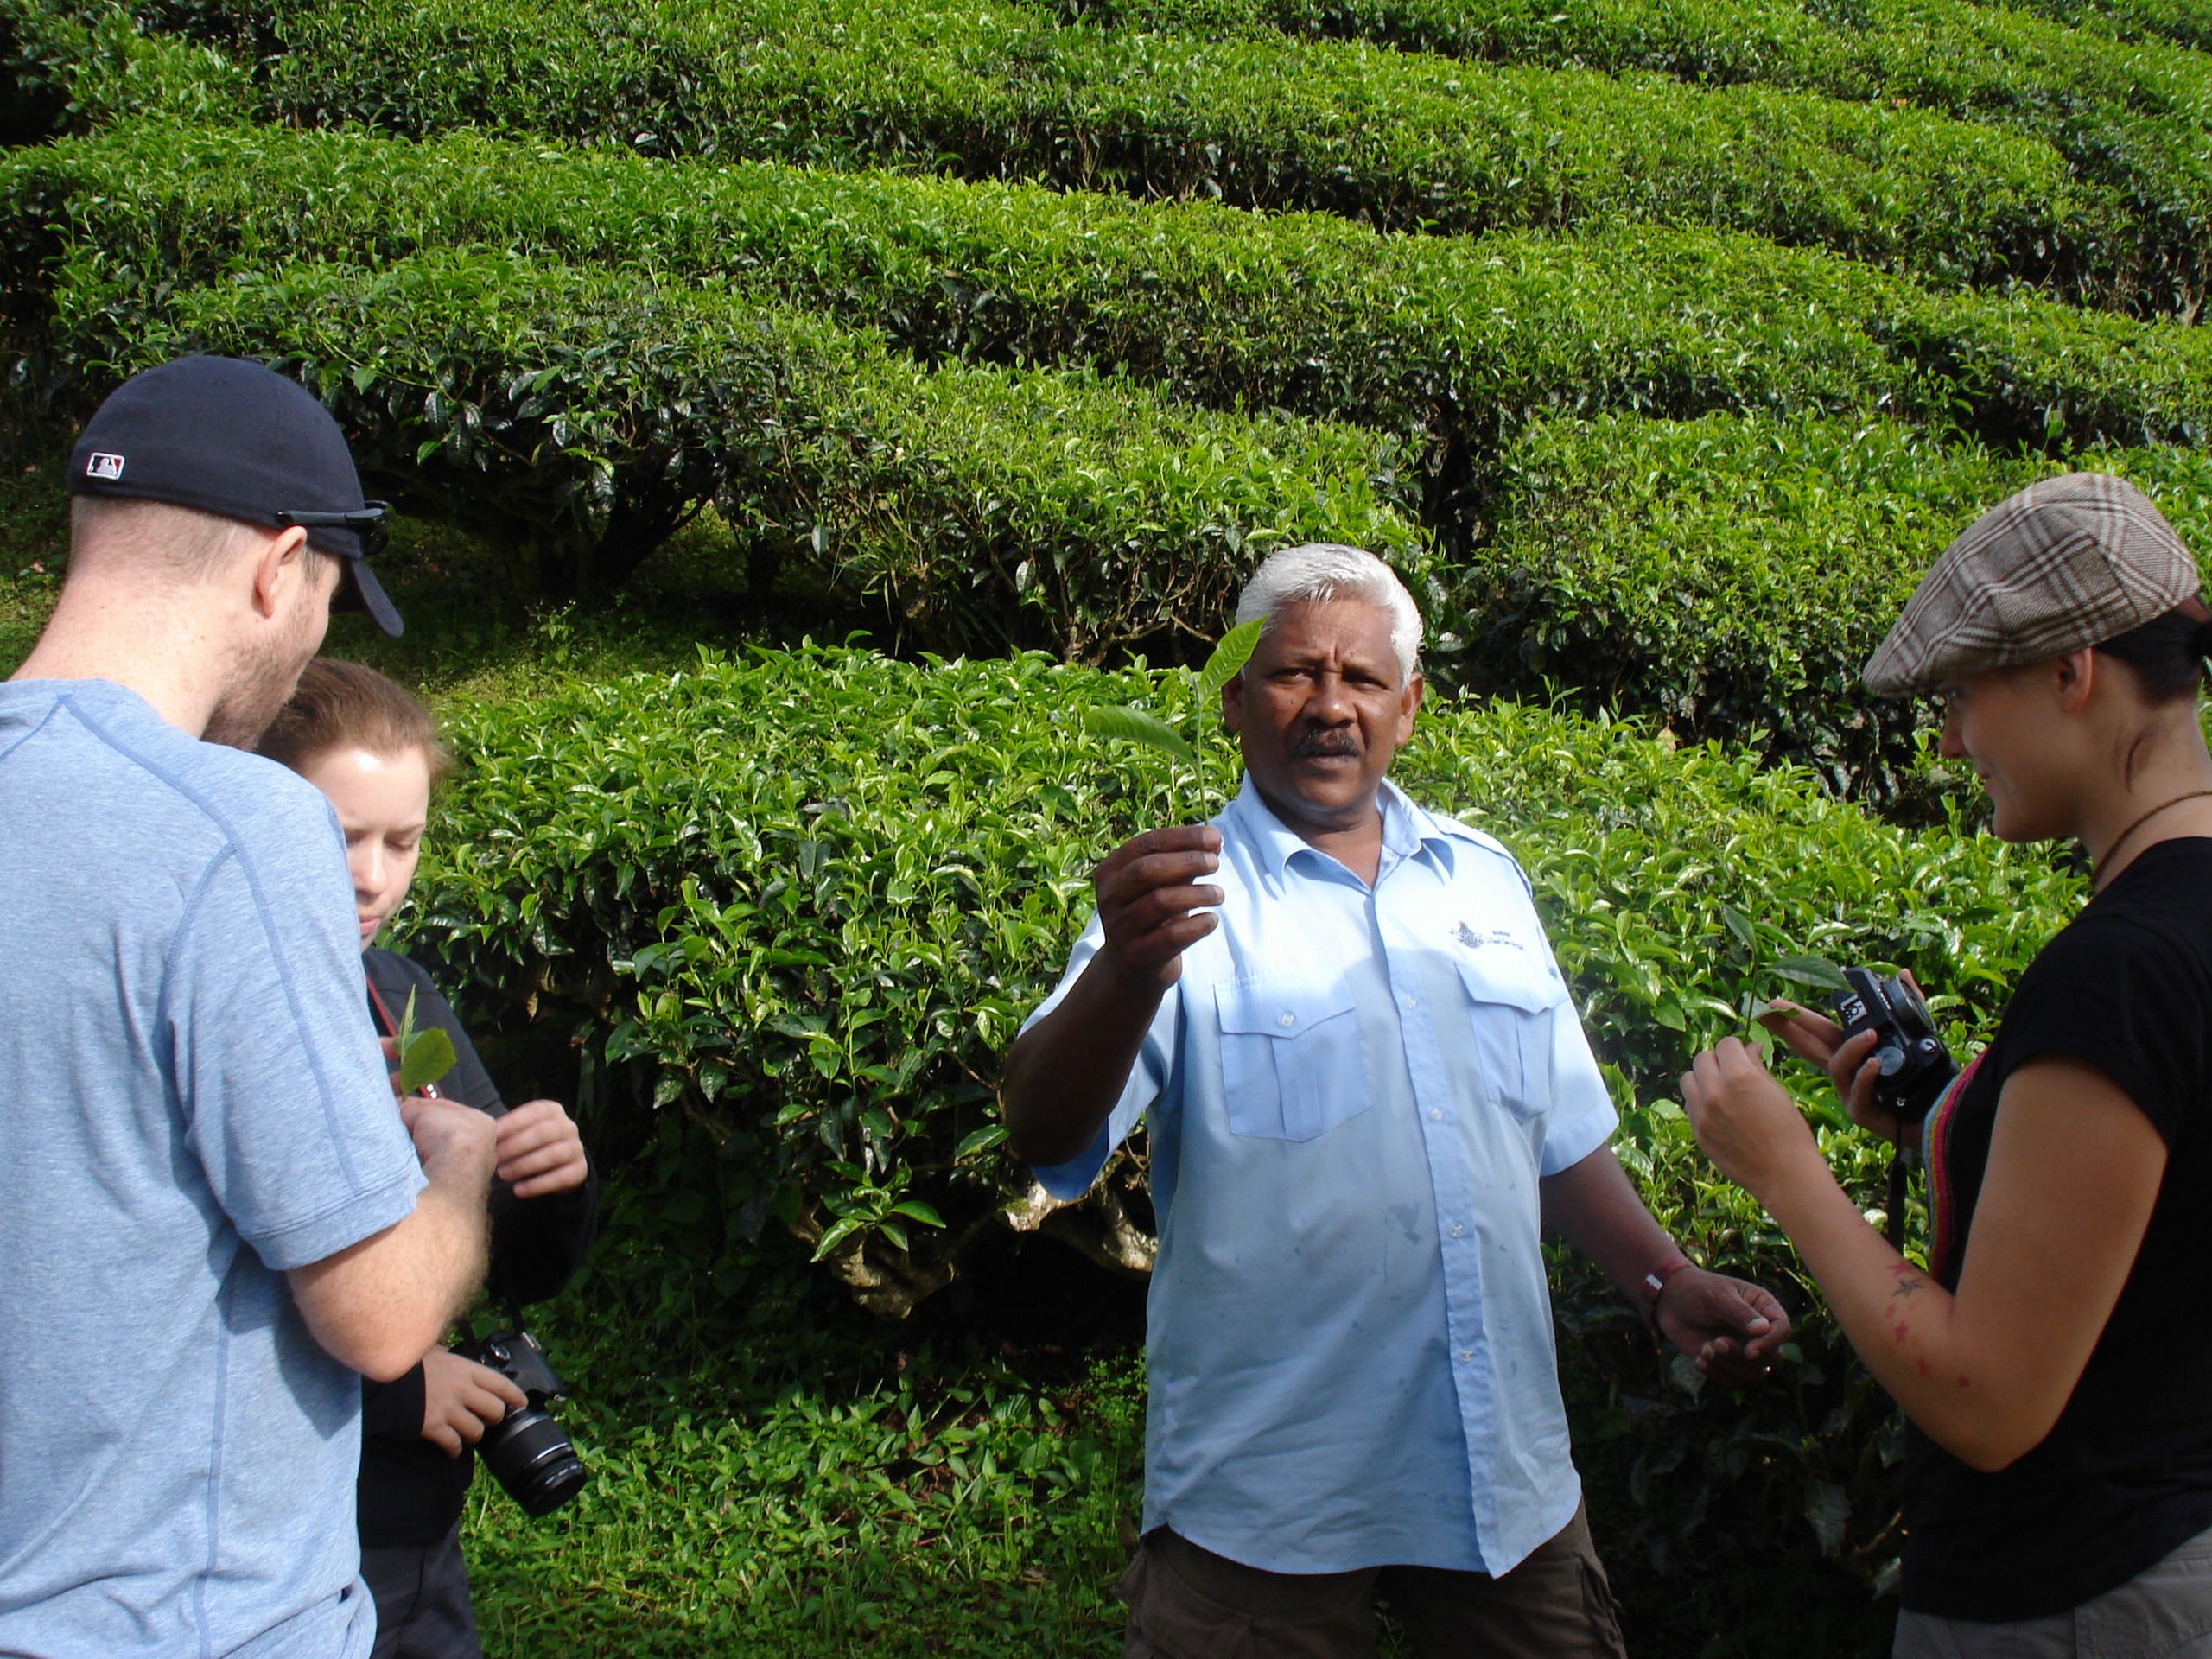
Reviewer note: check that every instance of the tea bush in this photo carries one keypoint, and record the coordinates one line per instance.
(1730, 575)
(580, 416)
(1451, 340)
(1001, 90)
(73, 66)
(2138, 119)
(804, 900)
(2180, 20)
(809, 895)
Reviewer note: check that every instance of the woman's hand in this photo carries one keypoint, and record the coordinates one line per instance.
(1849, 1063)
(540, 1150)
(1850, 1066)
(1744, 1120)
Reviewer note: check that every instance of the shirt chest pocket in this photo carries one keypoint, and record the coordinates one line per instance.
(1290, 1057)
(1512, 1005)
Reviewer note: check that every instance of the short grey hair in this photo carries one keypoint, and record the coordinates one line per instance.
(1315, 572)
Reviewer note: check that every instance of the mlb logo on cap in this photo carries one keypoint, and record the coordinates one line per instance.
(100, 465)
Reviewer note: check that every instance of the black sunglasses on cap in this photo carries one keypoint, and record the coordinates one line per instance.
(366, 522)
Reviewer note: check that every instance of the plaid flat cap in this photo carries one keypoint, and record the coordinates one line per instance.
(2069, 562)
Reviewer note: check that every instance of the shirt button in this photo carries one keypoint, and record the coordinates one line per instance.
(1410, 1001)
(1436, 1114)
(1459, 1230)
(1466, 1356)
(1287, 1021)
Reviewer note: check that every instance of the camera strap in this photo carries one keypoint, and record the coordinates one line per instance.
(383, 1014)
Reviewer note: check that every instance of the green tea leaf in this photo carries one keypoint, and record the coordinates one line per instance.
(1827, 1508)
(1816, 971)
(1229, 656)
(426, 1053)
(1134, 726)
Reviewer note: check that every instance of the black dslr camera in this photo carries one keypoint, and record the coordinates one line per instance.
(526, 1448)
(1914, 1065)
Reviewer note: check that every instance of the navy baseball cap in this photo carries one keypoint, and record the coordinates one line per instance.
(225, 435)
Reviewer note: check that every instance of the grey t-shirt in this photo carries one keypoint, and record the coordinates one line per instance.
(192, 1101)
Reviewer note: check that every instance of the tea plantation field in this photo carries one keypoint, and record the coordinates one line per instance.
(801, 411)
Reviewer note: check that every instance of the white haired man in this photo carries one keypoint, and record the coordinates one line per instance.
(1367, 1095)
(210, 1208)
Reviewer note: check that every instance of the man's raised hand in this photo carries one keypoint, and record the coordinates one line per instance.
(1154, 902)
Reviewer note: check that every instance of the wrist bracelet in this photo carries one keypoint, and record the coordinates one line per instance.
(1649, 1288)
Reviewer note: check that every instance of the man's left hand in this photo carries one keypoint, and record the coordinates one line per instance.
(1731, 1328)
(540, 1150)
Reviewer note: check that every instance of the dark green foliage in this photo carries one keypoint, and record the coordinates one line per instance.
(1000, 91)
(2184, 21)
(811, 895)
(1450, 340)
(806, 900)
(2137, 117)
(580, 417)
(1730, 575)
(773, 1476)
(70, 66)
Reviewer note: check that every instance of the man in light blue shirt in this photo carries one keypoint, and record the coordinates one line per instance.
(1367, 1095)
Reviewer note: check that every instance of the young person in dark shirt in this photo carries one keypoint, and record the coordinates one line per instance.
(2054, 1358)
(372, 749)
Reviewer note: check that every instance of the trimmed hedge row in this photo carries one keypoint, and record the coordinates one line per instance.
(580, 416)
(1453, 340)
(809, 895)
(2137, 117)
(806, 898)
(78, 65)
(1731, 575)
(1402, 142)
(2183, 20)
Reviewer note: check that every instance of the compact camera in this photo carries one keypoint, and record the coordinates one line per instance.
(1914, 1065)
(527, 1449)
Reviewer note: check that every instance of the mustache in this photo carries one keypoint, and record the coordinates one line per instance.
(1315, 745)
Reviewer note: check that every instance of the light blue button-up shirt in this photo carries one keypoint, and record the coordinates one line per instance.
(1352, 1092)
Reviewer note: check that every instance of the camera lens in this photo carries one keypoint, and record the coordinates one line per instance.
(533, 1459)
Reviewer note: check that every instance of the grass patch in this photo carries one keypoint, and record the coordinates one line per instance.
(775, 1475)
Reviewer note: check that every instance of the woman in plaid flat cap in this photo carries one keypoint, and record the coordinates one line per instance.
(2055, 1359)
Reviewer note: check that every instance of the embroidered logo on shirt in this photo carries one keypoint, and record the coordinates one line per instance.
(1475, 941)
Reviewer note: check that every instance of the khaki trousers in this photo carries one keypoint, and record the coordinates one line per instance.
(1187, 1603)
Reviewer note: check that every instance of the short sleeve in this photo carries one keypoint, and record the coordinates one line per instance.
(1580, 1116)
(2103, 993)
(1148, 1076)
(274, 1058)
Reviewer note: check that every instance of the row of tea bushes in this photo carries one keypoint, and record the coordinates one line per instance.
(579, 417)
(2136, 115)
(804, 900)
(807, 897)
(1452, 339)
(1732, 573)
(1397, 141)
(2184, 22)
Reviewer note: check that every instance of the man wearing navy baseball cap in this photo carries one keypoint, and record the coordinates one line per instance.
(212, 1212)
